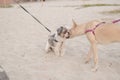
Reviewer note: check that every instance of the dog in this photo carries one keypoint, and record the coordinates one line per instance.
(56, 42)
(97, 32)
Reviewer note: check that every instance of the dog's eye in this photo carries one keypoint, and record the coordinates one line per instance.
(65, 31)
(69, 33)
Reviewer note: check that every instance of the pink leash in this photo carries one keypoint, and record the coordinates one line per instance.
(92, 30)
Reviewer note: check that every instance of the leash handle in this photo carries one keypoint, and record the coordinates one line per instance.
(33, 16)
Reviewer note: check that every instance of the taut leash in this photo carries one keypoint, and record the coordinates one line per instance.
(33, 16)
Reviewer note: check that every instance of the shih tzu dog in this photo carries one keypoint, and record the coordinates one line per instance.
(56, 42)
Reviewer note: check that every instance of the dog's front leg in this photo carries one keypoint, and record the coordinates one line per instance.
(56, 50)
(47, 48)
(95, 55)
(62, 50)
(91, 38)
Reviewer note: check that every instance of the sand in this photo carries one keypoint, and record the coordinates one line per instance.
(22, 42)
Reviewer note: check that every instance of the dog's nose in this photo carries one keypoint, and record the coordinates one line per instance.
(68, 35)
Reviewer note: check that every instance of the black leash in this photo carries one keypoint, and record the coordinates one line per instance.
(33, 16)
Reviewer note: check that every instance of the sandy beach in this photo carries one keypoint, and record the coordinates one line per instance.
(23, 40)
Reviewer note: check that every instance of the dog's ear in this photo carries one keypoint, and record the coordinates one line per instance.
(59, 30)
(74, 23)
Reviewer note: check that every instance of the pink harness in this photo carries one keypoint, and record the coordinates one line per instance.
(115, 21)
(93, 30)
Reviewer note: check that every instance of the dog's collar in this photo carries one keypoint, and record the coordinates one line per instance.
(93, 30)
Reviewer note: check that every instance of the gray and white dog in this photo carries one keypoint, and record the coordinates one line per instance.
(56, 42)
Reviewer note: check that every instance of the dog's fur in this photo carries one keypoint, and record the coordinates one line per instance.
(104, 33)
(56, 42)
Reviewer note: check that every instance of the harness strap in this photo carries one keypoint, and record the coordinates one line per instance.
(92, 30)
(115, 21)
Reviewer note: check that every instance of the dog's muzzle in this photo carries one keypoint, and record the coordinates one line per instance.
(68, 35)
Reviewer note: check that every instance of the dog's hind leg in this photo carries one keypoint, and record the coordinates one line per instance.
(89, 55)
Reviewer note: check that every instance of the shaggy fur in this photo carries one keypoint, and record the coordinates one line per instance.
(56, 41)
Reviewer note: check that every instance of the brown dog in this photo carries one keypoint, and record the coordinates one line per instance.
(97, 32)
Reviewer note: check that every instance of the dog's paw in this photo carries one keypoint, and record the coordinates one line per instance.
(56, 54)
(47, 50)
(87, 61)
(61, 55)
(95, 68)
